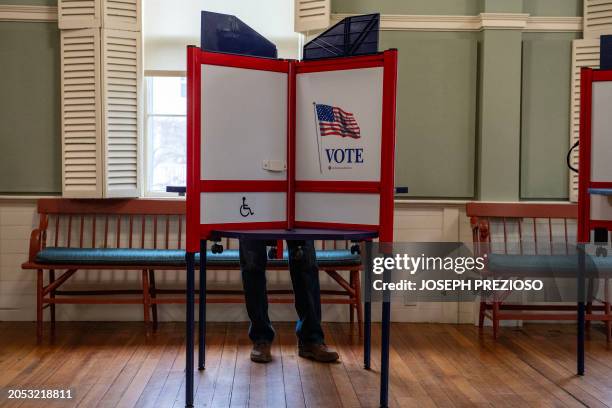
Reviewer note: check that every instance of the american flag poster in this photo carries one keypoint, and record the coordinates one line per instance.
(336, 130)
(333, 121)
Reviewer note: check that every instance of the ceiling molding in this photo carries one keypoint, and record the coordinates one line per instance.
(10, 12)
(484, 21)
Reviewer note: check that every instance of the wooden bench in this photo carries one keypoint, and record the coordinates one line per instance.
(543, 236)
(147, 235)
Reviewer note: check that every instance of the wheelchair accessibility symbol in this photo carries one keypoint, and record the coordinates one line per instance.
(245, 210)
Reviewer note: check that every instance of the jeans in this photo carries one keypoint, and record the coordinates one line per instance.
(305, 279)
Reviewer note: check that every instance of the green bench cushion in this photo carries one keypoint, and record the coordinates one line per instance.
(171, 257)
(545, 265)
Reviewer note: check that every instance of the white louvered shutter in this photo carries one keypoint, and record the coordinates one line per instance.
(585, 53)
(597, 18)
(121, 124)
(122, 15)
(74, 14)
(81, 122)
(311, 15)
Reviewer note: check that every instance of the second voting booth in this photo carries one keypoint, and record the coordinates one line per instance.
(595, 175)
(285, 149)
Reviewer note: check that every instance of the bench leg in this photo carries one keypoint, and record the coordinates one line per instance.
(153, 291)
(52, 296)
(39, 304)
(357, 287)
(495, 319)
(145, 299)
(481, 314)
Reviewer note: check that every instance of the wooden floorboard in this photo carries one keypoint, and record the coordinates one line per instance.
(432, 365)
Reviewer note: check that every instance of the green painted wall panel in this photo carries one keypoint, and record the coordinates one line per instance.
(30, 146)
(545, 118)
(501, 6)
(499, 116)
(443, 7)
(553, 8)
(436, 113)
(459, 7)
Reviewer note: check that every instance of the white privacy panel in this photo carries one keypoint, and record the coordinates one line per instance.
(112, 14)
(81, 123)
(601, 132)
(121, 124)
(122, 14)
(216, 208)
(339, 125)
(311, 15)
(597, 18)
(585, 53)
(334, 208)
(78, 14)
(245, 109)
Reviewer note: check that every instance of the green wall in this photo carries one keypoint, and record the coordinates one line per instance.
(553, 8)
(436, 112)
(499, 115)
(480, 114)
(459, 7)
(450, 7)
(501, 6)
(30, 154)
(545, 115)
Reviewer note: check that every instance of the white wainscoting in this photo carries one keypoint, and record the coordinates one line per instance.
(414, 221)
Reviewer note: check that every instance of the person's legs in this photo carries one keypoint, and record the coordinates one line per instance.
(253, 259)
(307, 292)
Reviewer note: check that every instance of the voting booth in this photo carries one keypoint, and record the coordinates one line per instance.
(595, 176)
(283, 144)
(283, 149)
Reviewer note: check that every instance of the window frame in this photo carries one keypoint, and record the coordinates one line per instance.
(146, 142)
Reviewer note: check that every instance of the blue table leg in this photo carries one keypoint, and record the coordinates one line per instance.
(190, 259)
(202, 308)
(384, 348)
(580, 340)
(581, 312)
(367, 307)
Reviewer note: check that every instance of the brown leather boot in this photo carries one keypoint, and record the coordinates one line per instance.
(261, 353)
(317, 352)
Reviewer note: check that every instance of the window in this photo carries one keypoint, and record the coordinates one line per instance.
(166, 133)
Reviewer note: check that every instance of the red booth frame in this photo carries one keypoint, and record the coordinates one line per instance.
(195, 186)
(585, 224)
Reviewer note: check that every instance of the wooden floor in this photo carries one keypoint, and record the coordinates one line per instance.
(116, 365)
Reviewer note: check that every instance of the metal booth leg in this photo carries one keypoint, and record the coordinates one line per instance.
(384, 349)
(367, 307)
(202, 308)
(581, 311)
(190, 259)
